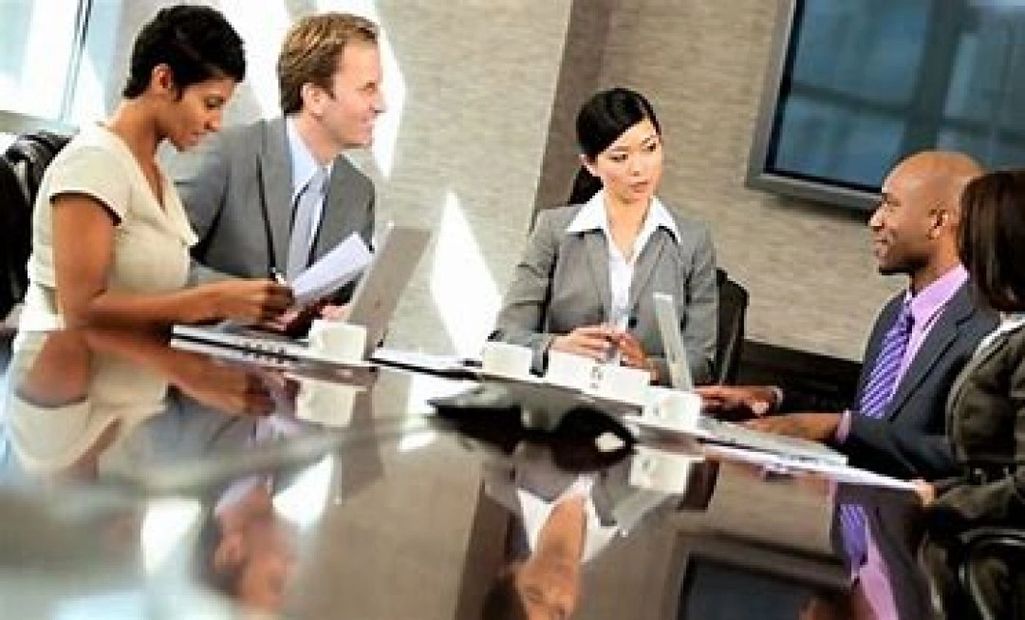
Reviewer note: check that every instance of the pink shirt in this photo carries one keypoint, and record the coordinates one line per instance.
(926, 308)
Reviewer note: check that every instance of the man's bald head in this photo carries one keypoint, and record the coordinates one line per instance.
(938, 176)
(915, 227)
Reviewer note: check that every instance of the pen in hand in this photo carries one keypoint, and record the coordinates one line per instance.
(278, 277)
(615, 353)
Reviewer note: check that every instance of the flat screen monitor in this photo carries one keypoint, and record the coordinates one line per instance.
(854, 86)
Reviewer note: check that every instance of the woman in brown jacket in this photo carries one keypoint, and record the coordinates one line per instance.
(986, 407)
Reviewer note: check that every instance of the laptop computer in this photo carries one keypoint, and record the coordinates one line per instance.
(672, 342)
(719, 431)
(372, 305)
(378, 292)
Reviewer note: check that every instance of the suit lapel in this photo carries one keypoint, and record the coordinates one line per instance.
(650, 256)
(340, 207)
(276, 168)
(875, 343)
(940, 338)
(598, 259)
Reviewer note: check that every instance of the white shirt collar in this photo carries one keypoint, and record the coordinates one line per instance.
(592, 216)
(304, 165)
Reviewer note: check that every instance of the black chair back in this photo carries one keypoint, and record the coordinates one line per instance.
(733, 299)
(21, 172)
(30, 154)
(994, 596)
(15, 238)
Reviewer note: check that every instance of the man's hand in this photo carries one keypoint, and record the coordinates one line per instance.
(813, 426)
(738, 400)
(926, 492)
(295, 321)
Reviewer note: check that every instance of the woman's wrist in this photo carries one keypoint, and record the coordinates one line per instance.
(201, 305)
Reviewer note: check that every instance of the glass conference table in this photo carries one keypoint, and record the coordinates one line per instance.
(144, 481)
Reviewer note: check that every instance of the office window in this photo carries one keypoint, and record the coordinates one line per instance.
(37, 43)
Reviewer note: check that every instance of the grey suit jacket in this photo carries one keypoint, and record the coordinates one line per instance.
(910, 440)
(562, 282)
(220, 182)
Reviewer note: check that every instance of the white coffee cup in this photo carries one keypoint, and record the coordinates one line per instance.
(568, 369)
(326, 403)
(502, 358)
(673, 408)
(343, 342)
(661, 471)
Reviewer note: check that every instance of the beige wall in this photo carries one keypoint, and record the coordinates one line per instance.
(484, 134)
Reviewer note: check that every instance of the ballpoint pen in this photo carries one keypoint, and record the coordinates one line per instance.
(278, 277)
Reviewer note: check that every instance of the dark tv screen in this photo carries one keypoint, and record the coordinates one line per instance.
(859, 84)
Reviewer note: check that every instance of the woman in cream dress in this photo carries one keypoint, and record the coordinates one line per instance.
(110, 237)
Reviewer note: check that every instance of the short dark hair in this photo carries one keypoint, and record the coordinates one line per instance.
(601, 120)
(196, 42)
(991, 242)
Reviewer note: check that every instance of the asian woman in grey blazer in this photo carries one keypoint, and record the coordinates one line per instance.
(586, 280)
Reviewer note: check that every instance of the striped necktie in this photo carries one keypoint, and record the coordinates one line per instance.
(882, 380)
(879, 389)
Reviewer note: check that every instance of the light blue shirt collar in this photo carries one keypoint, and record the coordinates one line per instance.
(592, 216)
(304, 165)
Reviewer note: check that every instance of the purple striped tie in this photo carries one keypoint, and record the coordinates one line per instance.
(879, 389)
(882, 380)
(854, 529)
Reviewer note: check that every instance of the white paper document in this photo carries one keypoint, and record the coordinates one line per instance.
(783, 463)
(334, 270)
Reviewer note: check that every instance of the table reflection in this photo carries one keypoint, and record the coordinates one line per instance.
(204, 484)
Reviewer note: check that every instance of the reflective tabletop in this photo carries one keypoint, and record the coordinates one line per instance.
(141, 480)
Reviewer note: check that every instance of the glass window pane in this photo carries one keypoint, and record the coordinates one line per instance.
(36, 40)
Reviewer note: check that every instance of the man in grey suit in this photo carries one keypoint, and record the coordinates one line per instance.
(275, 195)
(896, 423)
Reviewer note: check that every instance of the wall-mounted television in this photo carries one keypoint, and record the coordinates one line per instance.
(855, 85)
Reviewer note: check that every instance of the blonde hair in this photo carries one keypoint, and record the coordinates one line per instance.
(311, 51)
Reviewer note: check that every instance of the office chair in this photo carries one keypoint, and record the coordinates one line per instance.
(987, 543)
(15, 239)
(733, 299)
(30, 154)
(21, 172)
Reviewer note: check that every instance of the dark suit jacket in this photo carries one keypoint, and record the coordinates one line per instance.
(910, 440)
(219, 183)
(986, 418)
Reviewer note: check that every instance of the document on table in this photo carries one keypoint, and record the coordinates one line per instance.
(334, 270)
(834, 471)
